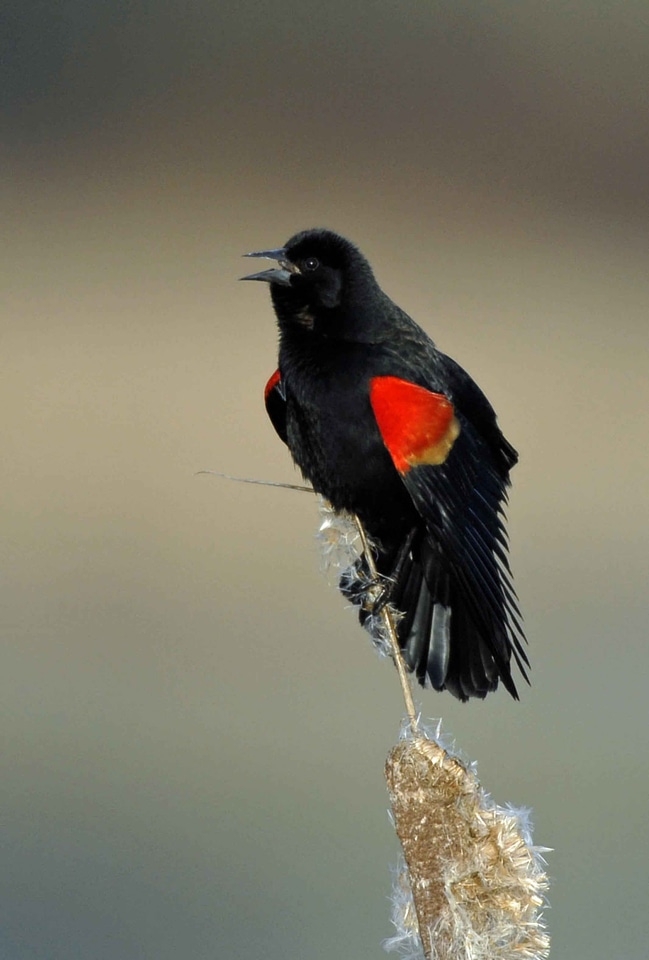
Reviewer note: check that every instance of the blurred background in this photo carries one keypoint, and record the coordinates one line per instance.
(194, 726)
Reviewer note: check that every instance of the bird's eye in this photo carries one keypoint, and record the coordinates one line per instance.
(311, 263)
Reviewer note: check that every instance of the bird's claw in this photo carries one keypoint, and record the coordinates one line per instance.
(369, 593)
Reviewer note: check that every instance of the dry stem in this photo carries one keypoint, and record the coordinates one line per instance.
(388, 620)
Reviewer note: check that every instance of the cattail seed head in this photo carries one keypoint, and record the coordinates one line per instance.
(477, 884)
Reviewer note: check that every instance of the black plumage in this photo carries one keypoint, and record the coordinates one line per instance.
(426, 471)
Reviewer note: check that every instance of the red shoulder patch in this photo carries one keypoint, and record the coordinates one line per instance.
(272, 383)
(418, 426)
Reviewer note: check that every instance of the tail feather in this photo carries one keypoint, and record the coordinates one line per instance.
(404, 599)
(440, 646)
(442, 630)
(415, 649)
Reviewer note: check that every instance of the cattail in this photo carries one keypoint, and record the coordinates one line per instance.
(473, 885)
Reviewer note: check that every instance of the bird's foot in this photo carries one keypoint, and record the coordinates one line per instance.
(371, 593)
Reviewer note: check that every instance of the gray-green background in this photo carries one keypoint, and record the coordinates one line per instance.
(193, 726)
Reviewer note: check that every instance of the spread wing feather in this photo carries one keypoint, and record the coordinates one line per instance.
(460, 492)
(461, 504)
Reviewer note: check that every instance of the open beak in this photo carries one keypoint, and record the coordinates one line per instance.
(280, 274)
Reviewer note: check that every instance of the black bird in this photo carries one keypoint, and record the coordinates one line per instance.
(387, 427)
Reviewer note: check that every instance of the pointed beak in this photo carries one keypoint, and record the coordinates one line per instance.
(280, 274)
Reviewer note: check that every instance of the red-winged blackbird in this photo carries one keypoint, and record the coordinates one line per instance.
(386, 427)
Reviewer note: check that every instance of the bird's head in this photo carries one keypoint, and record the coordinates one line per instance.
(317, 281)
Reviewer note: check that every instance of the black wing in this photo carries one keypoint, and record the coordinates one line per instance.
(465, 561)
(461, 622)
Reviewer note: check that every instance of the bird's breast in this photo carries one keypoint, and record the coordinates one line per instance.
(334, 438)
